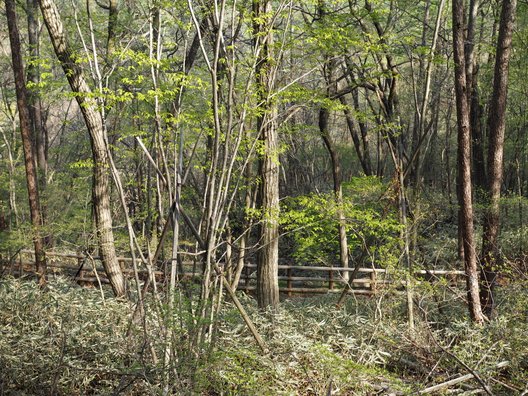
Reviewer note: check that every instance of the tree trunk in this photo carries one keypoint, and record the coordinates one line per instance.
(324, 116)
(338, 191)
(496, 127)
(25, 131)
(249, 204)
(268, 255)
(464, 166)
(95, 126)
(40, 135)
(361, 150)
(477, 140)
(112, 23)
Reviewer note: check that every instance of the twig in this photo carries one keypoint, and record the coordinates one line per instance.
(471, 371)
(507, 386)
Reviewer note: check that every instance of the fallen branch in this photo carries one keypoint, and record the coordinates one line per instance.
(460, 379)
(242, 311)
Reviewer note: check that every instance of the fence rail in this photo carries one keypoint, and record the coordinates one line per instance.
(293, 279)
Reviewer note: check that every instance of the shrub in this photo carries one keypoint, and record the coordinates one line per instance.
(370, 221)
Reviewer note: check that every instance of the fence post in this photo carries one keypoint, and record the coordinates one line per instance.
(289, 281)
(330, 279)
(373, 281)
(11, 265)
(80, 263)
(122, 265)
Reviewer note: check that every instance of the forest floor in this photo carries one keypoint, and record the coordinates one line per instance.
(69, 340)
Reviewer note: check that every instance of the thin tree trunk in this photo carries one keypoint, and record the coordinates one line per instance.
(268, 255)
(405, 237)
(448, 168)
(324, 115)
(361, 147)
(364, 135)
(466, 232)
(112, 23)
(247, 223)
(496, 127)
(94, 124)
(477, 138)
(13, 210)
(477, 148)
(25, 131)
(38, 126)
(338, 191)
(426, 73)
(469, 45)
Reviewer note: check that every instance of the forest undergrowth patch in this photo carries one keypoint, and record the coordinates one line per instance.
(66, 340)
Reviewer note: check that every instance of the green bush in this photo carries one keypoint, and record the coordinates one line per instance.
(370, 221)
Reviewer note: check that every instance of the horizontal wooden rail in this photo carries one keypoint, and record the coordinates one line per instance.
(291, 278)
(311, 290)
(252, 265)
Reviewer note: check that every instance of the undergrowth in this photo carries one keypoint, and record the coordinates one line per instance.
(69, 341)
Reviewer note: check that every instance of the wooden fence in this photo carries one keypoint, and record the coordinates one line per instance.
(293, 279)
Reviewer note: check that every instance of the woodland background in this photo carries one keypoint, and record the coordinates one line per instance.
(376, 133)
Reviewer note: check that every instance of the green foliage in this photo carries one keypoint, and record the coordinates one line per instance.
(312, 221)
(18, 238)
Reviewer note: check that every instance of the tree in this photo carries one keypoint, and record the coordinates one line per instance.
(495, 160)
(39, 132)
(466, 232)
(268, 255)
(25, 131)
(472, 71)
(324, 116)
(94, 123)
